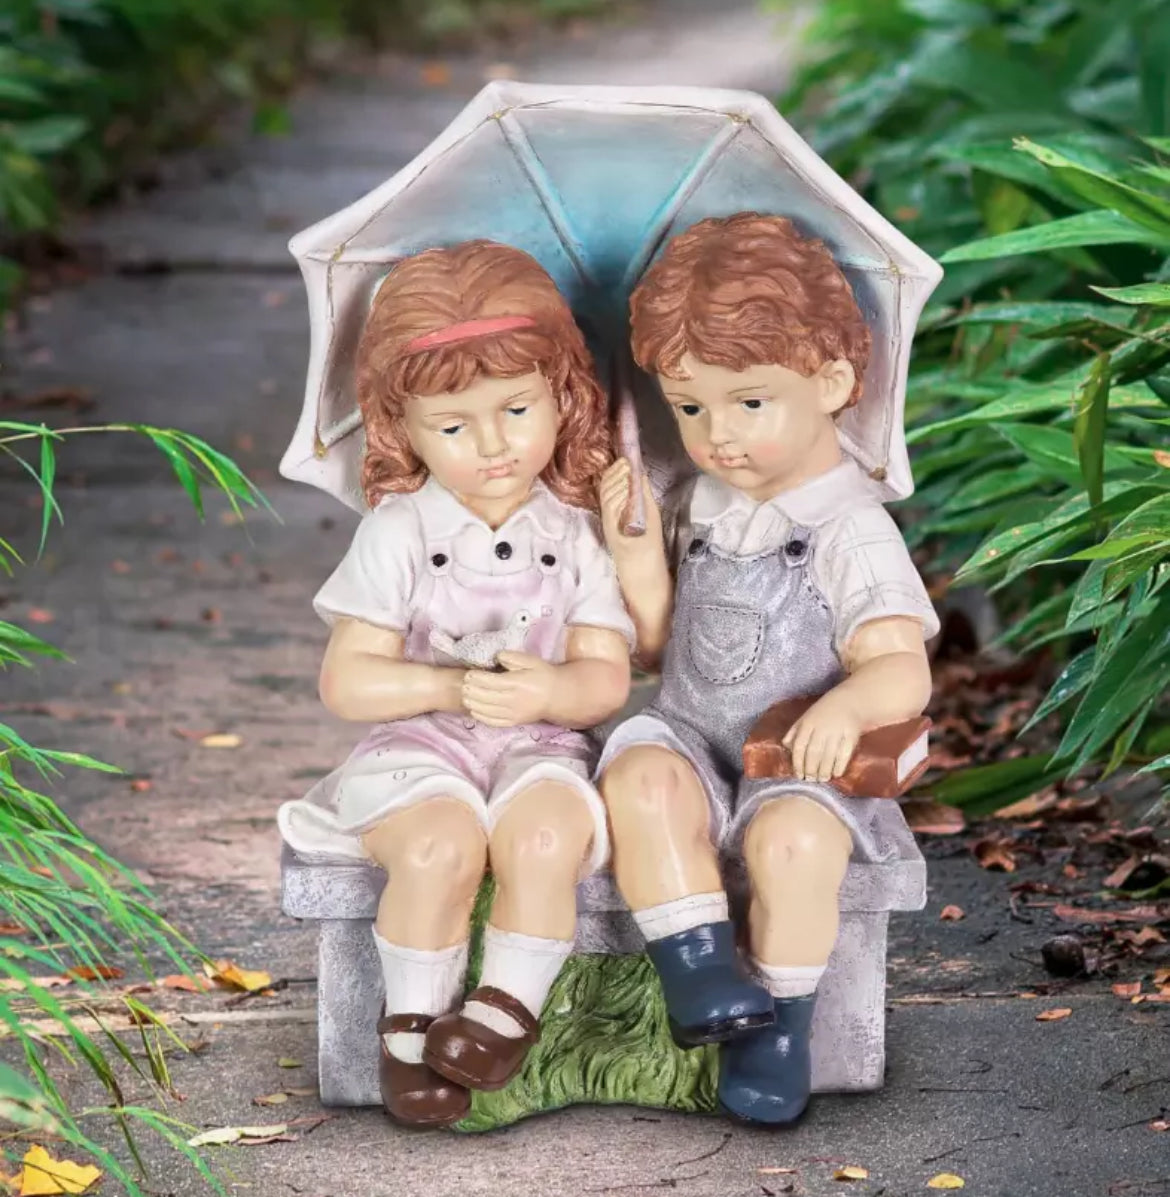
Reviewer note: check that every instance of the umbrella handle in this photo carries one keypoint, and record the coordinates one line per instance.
(630, 446)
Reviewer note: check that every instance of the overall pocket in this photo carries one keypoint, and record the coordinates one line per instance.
(725, 642)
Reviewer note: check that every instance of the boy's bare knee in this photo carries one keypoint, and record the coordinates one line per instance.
(651, 786)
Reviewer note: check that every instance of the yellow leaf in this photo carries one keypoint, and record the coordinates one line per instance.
(222, 1135)
(850, 1172)
(945, 1180)
(227, 972)
(222, 740)
(270, 1099)
(43, 1176)
(288, 1062)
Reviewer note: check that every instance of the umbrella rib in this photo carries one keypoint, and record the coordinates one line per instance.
(528, 161)
(674, 202)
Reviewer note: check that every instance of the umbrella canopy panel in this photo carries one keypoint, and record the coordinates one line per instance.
(592, 182)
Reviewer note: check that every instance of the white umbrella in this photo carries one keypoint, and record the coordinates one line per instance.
(592, 181)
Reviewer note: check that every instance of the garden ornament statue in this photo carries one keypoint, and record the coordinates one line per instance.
(476, 619)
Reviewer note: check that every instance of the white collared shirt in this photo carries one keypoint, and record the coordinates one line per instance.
(859, 560)
(398, 546)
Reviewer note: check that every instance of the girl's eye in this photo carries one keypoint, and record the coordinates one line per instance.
(752, 404)
(517, 411)
(451, 429)
(689, 409)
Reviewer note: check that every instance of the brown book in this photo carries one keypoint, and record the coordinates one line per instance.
(887, 762)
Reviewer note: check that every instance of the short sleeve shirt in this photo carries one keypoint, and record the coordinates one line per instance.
(423, 561)
(859, 560)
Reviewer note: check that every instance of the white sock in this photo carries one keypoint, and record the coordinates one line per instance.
(683, 914)
(783, 981)
(419, 982)
(524, 966)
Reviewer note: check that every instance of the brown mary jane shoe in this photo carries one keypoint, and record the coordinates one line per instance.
(413, 1095)
(470, 1054)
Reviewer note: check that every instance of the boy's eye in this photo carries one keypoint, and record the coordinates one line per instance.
(752, 404)
(450, 429)
(689, 409)
(518, 411)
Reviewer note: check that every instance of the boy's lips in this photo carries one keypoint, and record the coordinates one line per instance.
(730, 463)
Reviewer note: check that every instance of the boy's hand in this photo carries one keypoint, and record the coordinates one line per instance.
(614, 494)
(822, 741)
(522, 694)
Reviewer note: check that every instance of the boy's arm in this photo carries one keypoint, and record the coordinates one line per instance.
(643, 570)
(364, 678)
(889, 681)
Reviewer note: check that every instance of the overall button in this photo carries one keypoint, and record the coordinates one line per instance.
(548, 559)
(469, 724)
(503, 550)
(399, 774)
(535, 733)
(794, 548)
(439, 560)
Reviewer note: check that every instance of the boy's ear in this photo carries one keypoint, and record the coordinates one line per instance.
(837, 379)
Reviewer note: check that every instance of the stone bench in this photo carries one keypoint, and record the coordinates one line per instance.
(848, 1045)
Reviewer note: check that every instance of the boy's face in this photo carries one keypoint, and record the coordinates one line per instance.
(762, 430)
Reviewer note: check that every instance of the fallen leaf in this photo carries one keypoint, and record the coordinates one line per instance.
(1162, 976)
(1162, 457)
(995, 853)
(933, 818)
(302, 1091)
(946, 1180)
(1160, 1124)
(436, 74)
(103, 972)
(952, 914)
(1072, 872)
(188, 984)
(1028, 808)
(228, 973)
(40, 615)
(270, 1099)
(221, 740)
(260, 1140)
(770, 1170)
(44, 1176)
(140, 785)
(120, 567)
(220, 1135)
(12, 929)
(288, 1062)
(1141, 938)
(1053, 1015)
(851, 1172)
(1127, 989)
(1120, 875)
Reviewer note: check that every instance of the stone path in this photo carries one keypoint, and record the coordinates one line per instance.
(178, 629)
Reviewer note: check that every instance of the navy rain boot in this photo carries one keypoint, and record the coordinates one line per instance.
(709, 995)
(766, 1076)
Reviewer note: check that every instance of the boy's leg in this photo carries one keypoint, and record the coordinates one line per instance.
(796, 852)
(538, 849)
(666, 867)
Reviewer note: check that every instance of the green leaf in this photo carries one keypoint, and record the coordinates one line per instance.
(46, 135)
(1086, 228)
(1154, 294)
(981, 789)
(1074, 679)
(1089, 427)
(1055, 449)
(1141, 207)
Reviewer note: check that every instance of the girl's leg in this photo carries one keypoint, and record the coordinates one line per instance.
(667, 869)
(434, 854)
(537, 849)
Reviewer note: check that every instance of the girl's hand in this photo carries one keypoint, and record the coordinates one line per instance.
(522, 694)
(824, 738)
(614, 493)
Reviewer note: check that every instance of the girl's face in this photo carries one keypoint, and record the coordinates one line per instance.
(489, 443)
(762, 430)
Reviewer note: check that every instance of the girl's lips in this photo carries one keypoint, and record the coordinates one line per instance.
(731, 463)
(500, 471)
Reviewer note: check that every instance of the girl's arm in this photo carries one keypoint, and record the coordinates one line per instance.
(364, 678)
(643, 570)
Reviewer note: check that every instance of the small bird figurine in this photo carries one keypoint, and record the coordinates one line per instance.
(479, 649)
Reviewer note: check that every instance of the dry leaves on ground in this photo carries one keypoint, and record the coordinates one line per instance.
(995, 852)
(952, 914)
(926, 817)
(221, 740)
(229, 974)
(946, 1180)
(1056, 1014)
(851, 1172)
(255, 1136)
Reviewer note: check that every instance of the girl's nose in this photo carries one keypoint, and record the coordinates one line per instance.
(490, 439)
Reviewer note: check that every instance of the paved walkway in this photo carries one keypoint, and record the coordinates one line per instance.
(177, 630)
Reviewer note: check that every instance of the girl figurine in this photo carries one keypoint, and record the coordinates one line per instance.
(476, 620)
(791, 580)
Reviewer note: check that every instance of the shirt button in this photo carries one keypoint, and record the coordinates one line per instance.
(439, 560)
(503, 550)
(469, 724)
(399, 774)
(548, 559)
(794, 548)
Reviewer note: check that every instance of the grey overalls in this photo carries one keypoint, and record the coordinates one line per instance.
(748, 632)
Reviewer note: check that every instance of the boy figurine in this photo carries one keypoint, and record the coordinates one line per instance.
(786, 578)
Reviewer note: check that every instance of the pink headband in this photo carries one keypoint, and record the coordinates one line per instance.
(465, 330)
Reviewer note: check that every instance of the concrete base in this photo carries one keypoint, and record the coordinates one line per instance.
(848, 1030)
